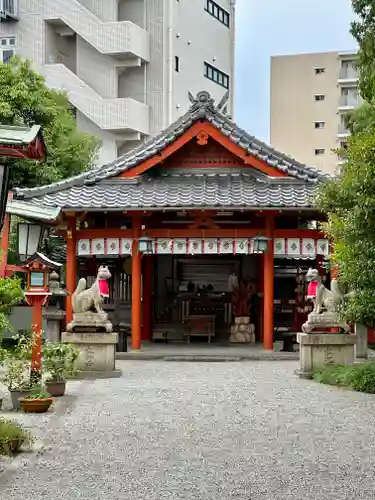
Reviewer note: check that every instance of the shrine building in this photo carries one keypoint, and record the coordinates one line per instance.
(215, 203)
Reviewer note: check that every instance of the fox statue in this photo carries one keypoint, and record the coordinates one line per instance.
(83, 300)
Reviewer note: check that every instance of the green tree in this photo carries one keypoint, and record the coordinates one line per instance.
(11, 294)
(363, 30)
(25, 100)
(349, 202)
(349, 199)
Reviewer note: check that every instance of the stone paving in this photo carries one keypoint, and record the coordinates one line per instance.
(169, 430)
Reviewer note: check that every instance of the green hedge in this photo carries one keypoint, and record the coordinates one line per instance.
(359, 377)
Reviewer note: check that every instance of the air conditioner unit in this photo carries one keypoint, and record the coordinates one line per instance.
(8, 10)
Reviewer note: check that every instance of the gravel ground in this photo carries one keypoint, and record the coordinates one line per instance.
(204, 431)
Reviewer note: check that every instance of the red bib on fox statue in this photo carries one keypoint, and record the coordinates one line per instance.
(311, 289)
(103, 288)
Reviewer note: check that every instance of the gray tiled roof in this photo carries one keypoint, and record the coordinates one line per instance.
(202, 108)
(238, 190)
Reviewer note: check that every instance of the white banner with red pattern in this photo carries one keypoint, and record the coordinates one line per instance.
(283, 247)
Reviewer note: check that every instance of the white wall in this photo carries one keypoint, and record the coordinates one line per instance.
(106, 10)
(132, 10)
(131, 83)
(190, 21)
(108, 151)
(97, 70)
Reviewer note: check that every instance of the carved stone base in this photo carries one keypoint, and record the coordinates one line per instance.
(90, 322)
(97, 353)
(242, 331)
(321, 349)
(323, 322)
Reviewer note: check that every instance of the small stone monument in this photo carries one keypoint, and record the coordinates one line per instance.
(91, 331)
(242, 331)
(318, 345)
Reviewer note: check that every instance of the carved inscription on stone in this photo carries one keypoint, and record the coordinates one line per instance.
(90, 356)
(328, 356)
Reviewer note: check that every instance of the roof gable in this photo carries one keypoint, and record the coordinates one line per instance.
(202, 115)
(200, 133)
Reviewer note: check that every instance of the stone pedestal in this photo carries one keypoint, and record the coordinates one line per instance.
(361, 348)
(242, 331)
(53, 316)
(90, 321)
(321, 349)
(322, 322)
(97, 353)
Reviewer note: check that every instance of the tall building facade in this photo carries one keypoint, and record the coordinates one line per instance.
(310, 94)
(127, 65)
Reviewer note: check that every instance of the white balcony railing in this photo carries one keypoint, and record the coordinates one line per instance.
(348, 74)
(8, 9)
(112, 38)
(350, 101)
(118, 114)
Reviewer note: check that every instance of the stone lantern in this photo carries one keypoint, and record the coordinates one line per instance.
(54, 313)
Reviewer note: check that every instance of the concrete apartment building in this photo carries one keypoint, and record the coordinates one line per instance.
(310, 94)
(127, 65)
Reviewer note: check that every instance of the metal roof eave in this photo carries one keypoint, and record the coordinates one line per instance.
(30, 211)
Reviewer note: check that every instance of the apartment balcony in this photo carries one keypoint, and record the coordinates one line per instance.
(347, 103)
(115, 115)
(348, 76)
(119, 39)
(8, 10)
(342, 131)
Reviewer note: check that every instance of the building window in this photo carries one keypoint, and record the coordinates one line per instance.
(176, 63)
(319, 124)
(320, 97)
(7, 49)
(216, 75)
(320, 71)
(319, 152)
(218, 12)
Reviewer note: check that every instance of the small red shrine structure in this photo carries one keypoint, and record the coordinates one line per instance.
(22, 142)
(202, 190)
(15, 142)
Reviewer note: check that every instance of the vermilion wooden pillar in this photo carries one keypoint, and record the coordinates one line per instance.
(147, 297)
(136, 286)
(268, 284)
(37, 301)
(71, 266)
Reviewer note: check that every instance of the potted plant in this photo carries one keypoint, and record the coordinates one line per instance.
(59, 362)
(17, 369)
(13, 436)
(17, 379)
(37, 402)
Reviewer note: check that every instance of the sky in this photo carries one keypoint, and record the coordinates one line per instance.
(266, 28)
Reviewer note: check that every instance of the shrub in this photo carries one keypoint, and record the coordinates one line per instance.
(334, 375)
(18, 363)
(13, 436)
(60, 361)
(363, 377)
(360, 377)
